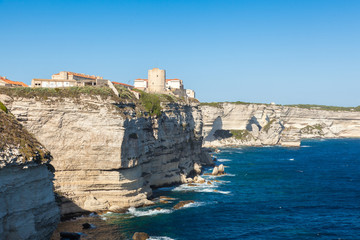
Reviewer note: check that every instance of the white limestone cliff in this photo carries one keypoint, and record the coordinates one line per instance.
(231, 124)
(28, 209)
(108, 157)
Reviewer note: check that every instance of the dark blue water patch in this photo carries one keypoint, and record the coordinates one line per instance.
(311, 192)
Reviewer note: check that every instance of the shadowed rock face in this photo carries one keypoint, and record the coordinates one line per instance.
(27, 203)
(105, 157)
(259, 124)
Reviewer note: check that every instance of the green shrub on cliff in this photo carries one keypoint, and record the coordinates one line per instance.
(14, 135)
(268, 125)
(2, 107)
(124, 93)
(151, 103)
(310, 129)
(241, 134)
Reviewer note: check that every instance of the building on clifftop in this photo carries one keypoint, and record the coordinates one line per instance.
(69, 79)
(124, 85)
(157, 83)
(4, 82)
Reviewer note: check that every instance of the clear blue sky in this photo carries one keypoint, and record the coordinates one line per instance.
(304, 51)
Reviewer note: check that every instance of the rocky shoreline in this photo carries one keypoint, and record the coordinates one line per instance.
(101, 229)
(241, 124)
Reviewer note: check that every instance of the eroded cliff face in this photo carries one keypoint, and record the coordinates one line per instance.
(229, 124)
(106, 156)
(27, 203)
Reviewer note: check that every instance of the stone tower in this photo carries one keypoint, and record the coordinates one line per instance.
(156, 80)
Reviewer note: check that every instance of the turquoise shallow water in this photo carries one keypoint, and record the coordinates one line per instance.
(311, 192)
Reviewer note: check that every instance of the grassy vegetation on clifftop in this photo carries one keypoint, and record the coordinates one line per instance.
(305, 106)
(14, 135)
(219, 104)
(68, 92)
(152, 102)
(324, 107)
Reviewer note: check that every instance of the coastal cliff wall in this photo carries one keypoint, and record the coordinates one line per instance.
(232, 124)
(28, 209)
(107, 155)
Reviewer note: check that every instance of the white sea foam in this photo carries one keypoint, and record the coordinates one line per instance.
(195, 204)
(224, 192)
(138, 213)
(305, 146)
(224, 160)
(224, 175)
(223, 181)
(195, 188)
(160, 238)
(291, 159)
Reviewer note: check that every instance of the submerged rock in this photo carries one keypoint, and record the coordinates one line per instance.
(86, 226)
(181, 204)
(70, 235)
(166, 198)
(140, 236)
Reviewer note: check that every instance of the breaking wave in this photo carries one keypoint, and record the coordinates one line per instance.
(160, 238)
(195, 188)
(138, 213)
(195, 204)
(224, 160)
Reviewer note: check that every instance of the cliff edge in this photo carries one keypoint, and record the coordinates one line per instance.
(236, 124)
(109, 151)
(28, 209)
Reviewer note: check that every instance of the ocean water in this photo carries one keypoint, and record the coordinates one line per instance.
(311, 192)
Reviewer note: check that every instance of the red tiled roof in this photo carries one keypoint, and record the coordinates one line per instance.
(13, 82)
(123, 84)
(79, 75)
(142, 79)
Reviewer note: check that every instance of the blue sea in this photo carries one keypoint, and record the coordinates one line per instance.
(310, 192)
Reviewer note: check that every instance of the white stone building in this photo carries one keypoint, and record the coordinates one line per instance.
(141, 84)
(157, 83)
(69, 79)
